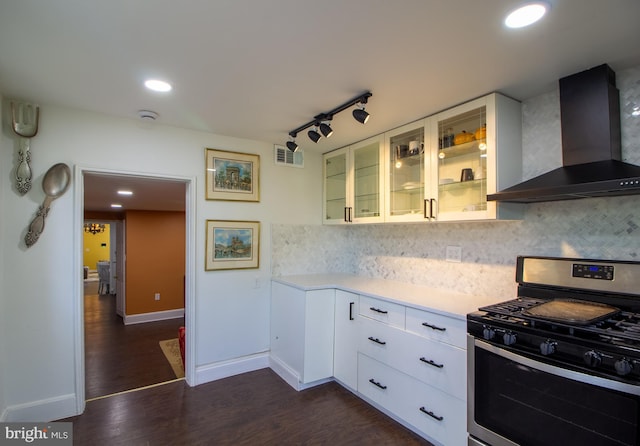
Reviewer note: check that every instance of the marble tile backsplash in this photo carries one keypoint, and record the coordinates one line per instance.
(600, 228)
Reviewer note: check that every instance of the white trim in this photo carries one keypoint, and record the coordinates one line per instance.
(190, 272)
(56, 408)
(232, 367)
(152, 317)
(291, 377)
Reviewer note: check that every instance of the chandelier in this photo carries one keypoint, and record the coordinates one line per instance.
(94, 228)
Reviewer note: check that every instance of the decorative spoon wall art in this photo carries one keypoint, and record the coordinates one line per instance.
(54, 184)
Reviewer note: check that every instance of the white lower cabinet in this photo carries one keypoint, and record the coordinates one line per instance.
(345, 348)
(302, 334)
(409, 371)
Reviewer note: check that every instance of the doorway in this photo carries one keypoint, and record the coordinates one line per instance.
(95, 326)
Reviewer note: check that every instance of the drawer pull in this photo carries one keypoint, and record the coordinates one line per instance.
(430, 362)
(377, 341)
(431, 414)
(351, 310)
(377, 384)
(434, 327)
(378, 310)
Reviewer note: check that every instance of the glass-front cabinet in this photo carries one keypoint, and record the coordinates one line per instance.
(466, 142)
(354, 184)
(406, 161)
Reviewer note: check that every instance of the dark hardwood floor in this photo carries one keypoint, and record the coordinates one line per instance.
(119, 357)
(256, 408)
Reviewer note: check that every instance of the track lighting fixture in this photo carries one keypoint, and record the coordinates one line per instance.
(321, 122)
(314, 135)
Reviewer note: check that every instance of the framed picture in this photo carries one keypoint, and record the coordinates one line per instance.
(232, 245)
(232, 176)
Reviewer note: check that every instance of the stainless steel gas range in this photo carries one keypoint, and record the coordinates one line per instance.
(560, 364)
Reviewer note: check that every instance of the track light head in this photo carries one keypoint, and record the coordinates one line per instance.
(291, 145)
(313, 134)
(326, 129)
(361, 115)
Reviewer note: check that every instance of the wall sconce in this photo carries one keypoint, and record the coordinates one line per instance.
(94, 228)
(321, 122)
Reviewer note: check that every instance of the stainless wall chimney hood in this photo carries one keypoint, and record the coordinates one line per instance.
(591, 166)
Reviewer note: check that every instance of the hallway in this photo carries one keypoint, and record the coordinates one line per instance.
(121, 357)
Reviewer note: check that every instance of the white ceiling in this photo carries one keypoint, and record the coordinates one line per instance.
(259, 68)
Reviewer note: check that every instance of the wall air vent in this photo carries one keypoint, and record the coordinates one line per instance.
(286, 157)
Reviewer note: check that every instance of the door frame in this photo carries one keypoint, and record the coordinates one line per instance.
(190, 251)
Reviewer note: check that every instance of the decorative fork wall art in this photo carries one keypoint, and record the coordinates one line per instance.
(25, 125)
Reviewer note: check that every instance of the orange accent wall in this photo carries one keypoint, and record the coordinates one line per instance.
(155, 261)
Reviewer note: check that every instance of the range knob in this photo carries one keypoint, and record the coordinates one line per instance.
(509, 338)
(548, 347)
(488, 333)
(592, 358)
(623, 366)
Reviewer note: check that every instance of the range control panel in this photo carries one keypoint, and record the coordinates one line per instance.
(591, 271)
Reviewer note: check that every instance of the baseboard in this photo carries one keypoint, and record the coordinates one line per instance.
(152, 317)
(43, 411)
(232, 367)
(291, 377)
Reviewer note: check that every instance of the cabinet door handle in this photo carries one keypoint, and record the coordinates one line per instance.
(434, 327)
(351, 310)
(346, 215)
(431, 207)
(431, 414)
(377, 341)
(424, 208)
(430, 362)
(375, 383)
(350, 215)
(378, 310)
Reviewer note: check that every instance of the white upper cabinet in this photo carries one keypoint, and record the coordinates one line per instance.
(354, 184)
(440, 168)
(407, 154)
(476, 150)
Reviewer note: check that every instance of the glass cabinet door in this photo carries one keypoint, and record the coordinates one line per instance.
(462, 162)
(335, 186)
(406, 170)
(367, 181)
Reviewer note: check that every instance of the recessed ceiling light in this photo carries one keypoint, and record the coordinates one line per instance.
(158, 85)
(114, 205)
(526, 14)
(125, 192)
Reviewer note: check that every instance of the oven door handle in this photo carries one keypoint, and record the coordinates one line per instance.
(558, 371)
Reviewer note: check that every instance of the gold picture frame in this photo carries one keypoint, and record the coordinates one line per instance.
(232, 244)
(232, 176)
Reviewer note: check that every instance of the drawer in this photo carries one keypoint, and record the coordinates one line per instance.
(437, 414)
(379, 383)
(383, 311)
(412, 401)
(437, 327)
(380, 341)
(440, 365)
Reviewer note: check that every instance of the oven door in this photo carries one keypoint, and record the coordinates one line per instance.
(514, 400)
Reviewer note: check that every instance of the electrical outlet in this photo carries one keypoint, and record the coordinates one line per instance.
(454, 254)
(157, 296)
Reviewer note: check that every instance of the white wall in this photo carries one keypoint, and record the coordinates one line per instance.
(41, 287)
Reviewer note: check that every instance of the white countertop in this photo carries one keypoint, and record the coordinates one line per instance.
(441, 301)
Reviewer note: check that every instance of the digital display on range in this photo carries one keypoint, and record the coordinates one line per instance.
(590, 271)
